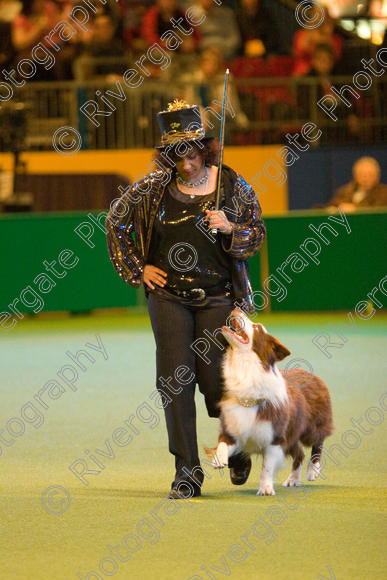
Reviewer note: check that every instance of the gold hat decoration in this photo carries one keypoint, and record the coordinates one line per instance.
(178, 104)
(180, 122)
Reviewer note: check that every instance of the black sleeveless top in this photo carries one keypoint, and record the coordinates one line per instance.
(182, 249)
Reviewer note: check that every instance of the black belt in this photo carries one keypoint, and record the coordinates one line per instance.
(200, 294)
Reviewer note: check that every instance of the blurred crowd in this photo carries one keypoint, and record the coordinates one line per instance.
(237, 29)
(245, 35)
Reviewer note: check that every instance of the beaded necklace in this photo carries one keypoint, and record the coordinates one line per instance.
(191, 184)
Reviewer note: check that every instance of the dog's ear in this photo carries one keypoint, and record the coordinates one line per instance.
(268, 348)
(279, 350)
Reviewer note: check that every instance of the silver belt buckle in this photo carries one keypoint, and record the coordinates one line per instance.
(201, 293)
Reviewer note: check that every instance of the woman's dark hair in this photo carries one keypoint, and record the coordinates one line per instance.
(208, 150)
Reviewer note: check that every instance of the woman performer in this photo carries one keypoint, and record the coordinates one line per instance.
(171, 213)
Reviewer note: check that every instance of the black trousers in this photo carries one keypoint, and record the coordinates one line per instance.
(177, 323)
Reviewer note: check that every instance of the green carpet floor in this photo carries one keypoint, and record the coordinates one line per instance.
(333, 528)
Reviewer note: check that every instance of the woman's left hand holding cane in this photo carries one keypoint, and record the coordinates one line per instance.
(217, 220)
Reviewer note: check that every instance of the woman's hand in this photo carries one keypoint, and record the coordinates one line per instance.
(155, 275)
(217, 219)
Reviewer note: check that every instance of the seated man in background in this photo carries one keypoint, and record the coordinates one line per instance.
(365, 190)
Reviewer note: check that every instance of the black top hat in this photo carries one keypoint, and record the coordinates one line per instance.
(180, 122)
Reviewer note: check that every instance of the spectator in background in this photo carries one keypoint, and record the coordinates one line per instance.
(322, 63)
(113, 8)
(157, 21)
(365, 190)
(132, 15)
(257, 29)
(104, 42)
(219, 28)
(323, 69)
(306, 40)
(9, 9)
(70, 49)
(36, 19)
(205, 85)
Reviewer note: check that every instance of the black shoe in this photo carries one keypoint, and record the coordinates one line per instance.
(185, 490)
(240, 472)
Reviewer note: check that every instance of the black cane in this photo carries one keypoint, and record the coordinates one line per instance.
(221, 148)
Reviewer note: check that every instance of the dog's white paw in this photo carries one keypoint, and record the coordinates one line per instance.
(220, 456)
(291, 482)
(313, 471)
(218, 465)
(266, 489)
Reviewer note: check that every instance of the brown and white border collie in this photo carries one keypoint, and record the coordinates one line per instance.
(262, 412)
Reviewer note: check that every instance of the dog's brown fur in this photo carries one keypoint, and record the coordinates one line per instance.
(304, 416)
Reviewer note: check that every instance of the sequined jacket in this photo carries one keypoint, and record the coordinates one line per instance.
(134, 214)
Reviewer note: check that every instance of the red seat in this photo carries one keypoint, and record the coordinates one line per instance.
(244, 67)
(280, 66)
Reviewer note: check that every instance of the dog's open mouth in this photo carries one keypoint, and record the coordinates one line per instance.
(238, 334)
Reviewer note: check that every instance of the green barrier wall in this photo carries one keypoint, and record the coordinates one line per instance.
(29, 239)
(350, 266)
